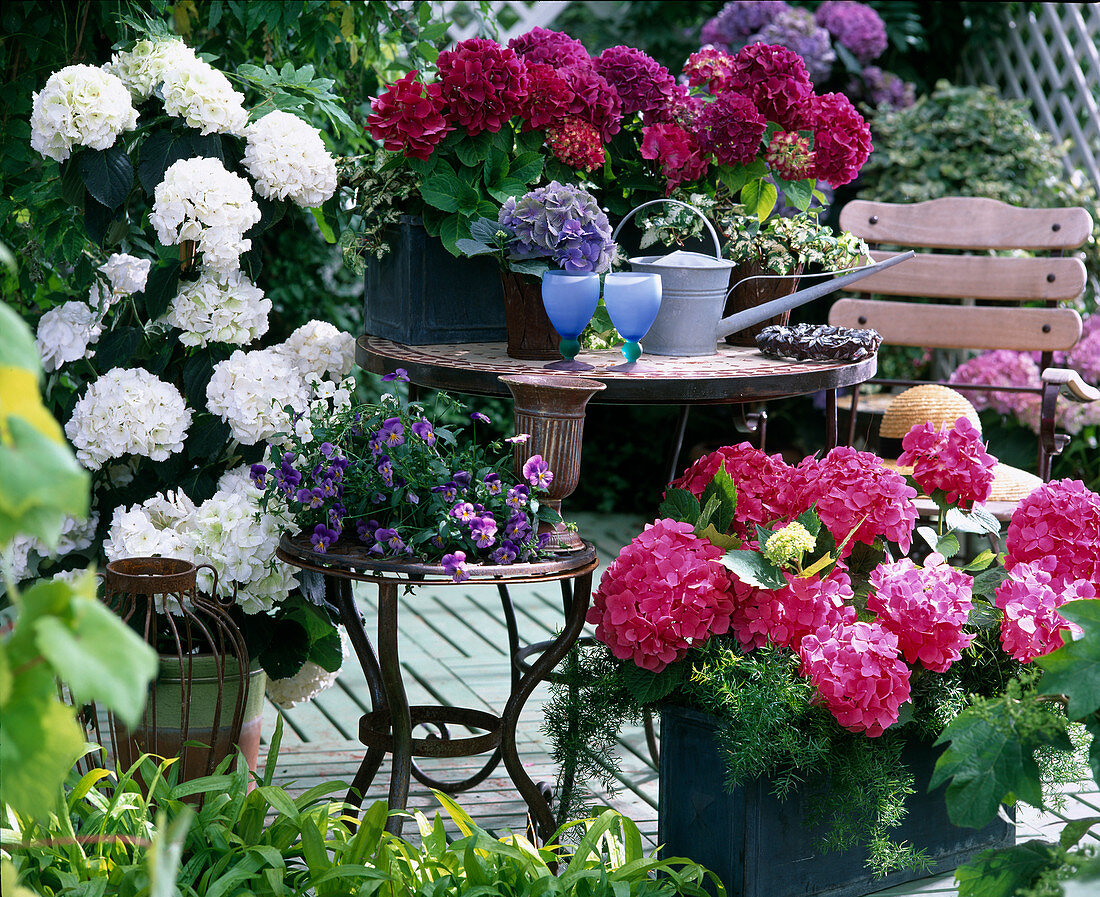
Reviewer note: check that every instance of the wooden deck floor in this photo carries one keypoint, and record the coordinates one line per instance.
(454, 651)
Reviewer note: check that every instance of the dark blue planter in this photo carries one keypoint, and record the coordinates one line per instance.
(757, 843)
(419, 294)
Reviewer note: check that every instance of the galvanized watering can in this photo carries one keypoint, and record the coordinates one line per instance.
(694, 288)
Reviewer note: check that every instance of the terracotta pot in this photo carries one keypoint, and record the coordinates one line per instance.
(530, 333)
(754, 293)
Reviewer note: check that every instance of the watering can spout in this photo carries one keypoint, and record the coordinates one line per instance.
(761, 313)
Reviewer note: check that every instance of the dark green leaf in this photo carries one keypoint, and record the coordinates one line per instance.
(1008, 872)
(647, 687)
(108, 175)
(752, 568)
(948, 545)
(472, 151)
(1076, 830)
(161, 288)
(115, 349)
(451, 229)
(72, 184)
(97, 219)
(506, 188)
(526, 167)
(443, 190)
(164, 148)
(723, 488)
(197, 371)
(986, 582)
(485, 230)
(206, 437)
(1074, 669)
(680, 505)
(797, 193)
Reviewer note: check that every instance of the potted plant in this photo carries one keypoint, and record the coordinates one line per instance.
(772, 616)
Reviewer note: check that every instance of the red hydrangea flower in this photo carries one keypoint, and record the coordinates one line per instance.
(842, 140)
(710, 68)
(926, 608)
(594, 99)
(576, 143)
(482, 84)
(858, 674)
(953, 460)
(731, 128)
(680, 107)
(777, 82)
(678, 153)
(548, 97)
(662, 594)
(641, 82)
(408, 117)
(851, 488)
(757, 476)
(1059, 524)
(786, 616)
(1030, 597)
(789, 156)
(554, 48)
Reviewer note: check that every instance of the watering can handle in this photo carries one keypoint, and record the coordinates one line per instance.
(675, 202)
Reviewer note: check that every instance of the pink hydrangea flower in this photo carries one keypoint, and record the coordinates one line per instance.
(757, 476)
(678, 153)
(1085, 357)
(1057, 524)
(482, 84)
(926, 608)
(842, 139)
(641, 82)
(857, 27)
(408, 117)
(710, 68)
(786, 616)
(731, 128)
(858, 674)
(953, 460)
(776, 81)
(548, 97)
(554, 48)
(1000, 367)
(594, 100)
(662, 594)
(1030, 598)
(849, 486)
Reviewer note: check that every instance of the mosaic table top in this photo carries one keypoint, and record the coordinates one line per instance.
(732, 375)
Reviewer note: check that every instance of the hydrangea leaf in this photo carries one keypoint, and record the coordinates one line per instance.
(724, 489)
(990, 758)
(1006, 873)
(108, 174)
(722, 540)
(648, 687)
(95, 653)
(977, 520)
(680, 505)
(754, 569)
(1074, 669)
(17, 348)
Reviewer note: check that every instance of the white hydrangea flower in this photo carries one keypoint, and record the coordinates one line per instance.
(250, 390)
(239, 481)
(142, 68)
(214, 309)
(18, 555)
(80, 106)
(76, 535)
(306, 684)
(128, 412)
(203, 97)
(65, 333)
(239, 541)
(150, 530)
(200, 200)
(127, 274)
(288, 160)
(320, 348)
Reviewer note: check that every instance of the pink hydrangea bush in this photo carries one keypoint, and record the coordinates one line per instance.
(858, 673)
(662, 594)
(952, 460)
(926, 608)
(1030, 598)
(1058, 526)
(786, 616)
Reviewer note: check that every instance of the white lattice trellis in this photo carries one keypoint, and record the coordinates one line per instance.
(513, 17)
(1051, 58)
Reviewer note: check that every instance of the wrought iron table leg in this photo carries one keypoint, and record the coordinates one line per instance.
(397, 701)
(513, 632)
(537, 804)
(830, 418)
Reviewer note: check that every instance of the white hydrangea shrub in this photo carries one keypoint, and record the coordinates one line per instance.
(288, 160)
(65, 332)
(80, 105)
(320, 348)
(142, 68)
(250, 390)
(216, 309)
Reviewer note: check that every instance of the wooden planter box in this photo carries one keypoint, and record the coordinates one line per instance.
(419, 294)
(757, 844)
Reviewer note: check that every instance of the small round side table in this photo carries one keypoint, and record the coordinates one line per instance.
(388, 727)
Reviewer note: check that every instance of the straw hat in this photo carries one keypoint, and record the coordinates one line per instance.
(941, 405)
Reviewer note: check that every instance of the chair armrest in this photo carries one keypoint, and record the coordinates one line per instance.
(1070, 385)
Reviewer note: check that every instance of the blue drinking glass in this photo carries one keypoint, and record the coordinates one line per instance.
(632, 300)
(570, 301)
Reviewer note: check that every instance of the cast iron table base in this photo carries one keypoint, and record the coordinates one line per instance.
(389, 726)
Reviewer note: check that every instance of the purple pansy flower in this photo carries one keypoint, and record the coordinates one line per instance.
(462, 479)
(328, 449)
(379, 498)
(537, 472)
(464, 512)
(376, 447)
(311, 498)
(455, 566)
(484, 531)
(517, 497)
(436, 542)
(412, 498)
(399, 374)
(392, 432)
(390, 538)
(493, 483)
(365, 529)
(258, 472)
(423, 429)
(478, 417)
(328, 488)
(334, 520)
(518, 439)
(449, 492)
(517, 528)
(505, 554)
(323, 537)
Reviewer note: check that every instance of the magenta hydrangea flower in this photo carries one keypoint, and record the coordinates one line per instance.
(576, 143)
(858, 673)
(856, 26)
(408, 119)
(1030, 598)
(594, 100)
(756, 475)
(537, 472)
(926, 608)
(482, 85)
(842, 139)
(737, 21)
(730, 127)
(786, 616)
(662, 594)
(853, 489)
(554, 48)
(549, 97)
(999, 367)
(1057, 525)
(641, 82)
(951, 459)
(676, 151)
(776, 81)
(710, 68)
